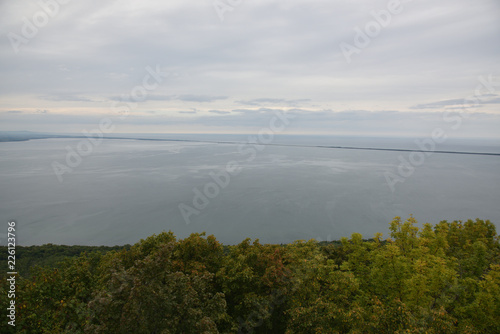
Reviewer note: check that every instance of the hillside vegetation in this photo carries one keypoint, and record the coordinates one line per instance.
(437, 279)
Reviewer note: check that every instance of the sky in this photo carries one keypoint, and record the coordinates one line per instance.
(364, 67)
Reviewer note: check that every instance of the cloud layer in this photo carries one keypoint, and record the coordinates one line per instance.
(76, 61)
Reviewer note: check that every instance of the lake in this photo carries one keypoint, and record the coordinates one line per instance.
(126, 189)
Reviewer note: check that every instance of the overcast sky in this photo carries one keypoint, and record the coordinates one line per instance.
(228, 66)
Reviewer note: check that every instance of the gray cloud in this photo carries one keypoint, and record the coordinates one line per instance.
(221, 112)
(492, 101)
(458, 103)
(258, 102)
(261, 101)
(200, 98)
(154, 97)
(439, 104)
(185, 97)
(64, 97)
(382, 123)
(148, 97)
(265, 55)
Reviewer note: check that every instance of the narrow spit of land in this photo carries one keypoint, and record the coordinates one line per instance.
(6, 138)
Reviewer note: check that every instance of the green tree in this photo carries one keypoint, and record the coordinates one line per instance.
(164, 290)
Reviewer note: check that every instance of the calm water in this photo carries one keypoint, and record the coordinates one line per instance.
(126, 190)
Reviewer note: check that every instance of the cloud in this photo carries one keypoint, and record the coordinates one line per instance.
(260, 101)
(145, 98)
(14, 111)
(62, 68)
(255, 111)
(200, 98)
(357, 122)
(458, 103)
(265, 55)
(64, 97)
(220, 112)
(156, 97)
(492, 101)
(160, 97)
(439, 104)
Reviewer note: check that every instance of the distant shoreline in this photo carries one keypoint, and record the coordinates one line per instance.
(26, 136)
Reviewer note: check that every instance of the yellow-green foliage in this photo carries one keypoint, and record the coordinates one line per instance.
(435, 279)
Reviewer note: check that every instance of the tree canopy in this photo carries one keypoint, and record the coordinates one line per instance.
(434, 279)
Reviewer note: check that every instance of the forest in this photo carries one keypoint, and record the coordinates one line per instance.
(442, 278)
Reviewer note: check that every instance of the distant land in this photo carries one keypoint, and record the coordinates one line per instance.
(10, 136)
